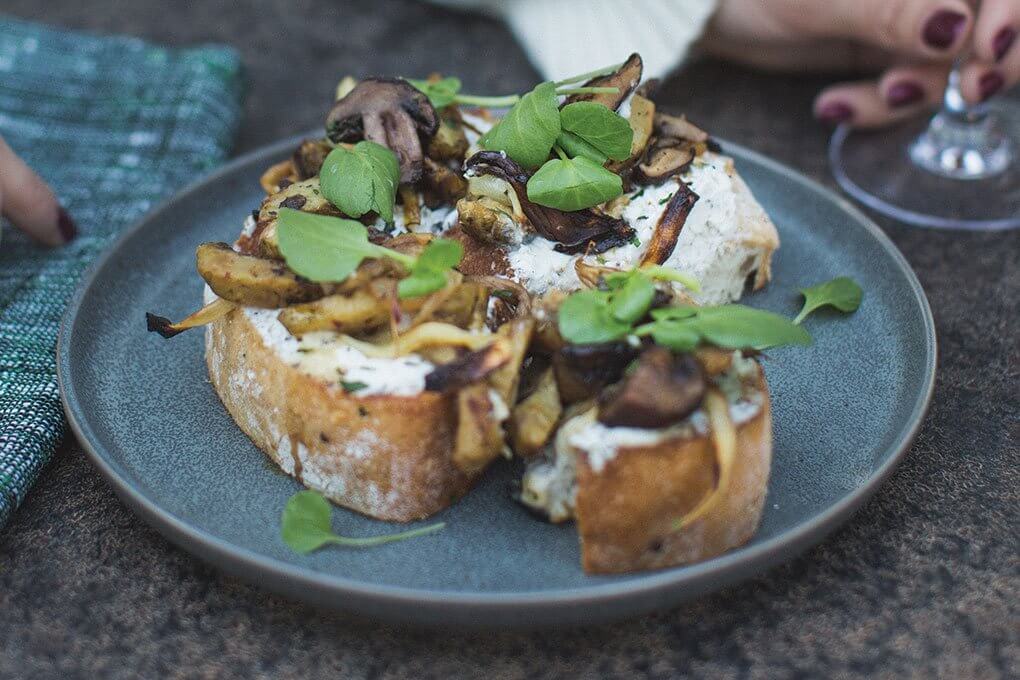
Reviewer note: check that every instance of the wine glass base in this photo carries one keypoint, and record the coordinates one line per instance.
(901, 173)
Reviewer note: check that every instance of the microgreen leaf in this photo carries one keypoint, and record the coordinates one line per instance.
(740, 327)
(842, 292)
(573, 184)
(631, 301)
(440, 92)
(529, 130)
(428, 273)
(361, 179)
(674, 313)
(576, 146)
(678, 337)
(305, 526)
(606, 131)
(584, 318)
(323, 248)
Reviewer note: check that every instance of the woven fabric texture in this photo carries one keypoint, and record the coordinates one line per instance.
(115, 125)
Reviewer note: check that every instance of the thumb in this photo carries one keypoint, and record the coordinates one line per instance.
(928, 29)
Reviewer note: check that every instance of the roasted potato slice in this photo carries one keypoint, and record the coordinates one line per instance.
(252, 281)
(534, 419)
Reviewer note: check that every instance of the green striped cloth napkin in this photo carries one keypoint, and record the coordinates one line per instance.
(115, 125)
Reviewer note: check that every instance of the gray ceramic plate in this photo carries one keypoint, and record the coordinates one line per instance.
(846, 409)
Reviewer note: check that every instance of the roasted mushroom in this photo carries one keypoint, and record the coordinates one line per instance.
(574, 232)
(668, 228)
(642, 113)
(582, 370)
(625, 79)
(469, 368)
(659, 391)
(387, 111)
(679, 127)
(450, 142)
(664, 159)
(441, 185)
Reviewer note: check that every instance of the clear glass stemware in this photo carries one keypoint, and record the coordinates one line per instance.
(957, 170)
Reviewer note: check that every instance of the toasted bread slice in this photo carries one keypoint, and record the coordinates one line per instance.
(628, 499)
(385, 456)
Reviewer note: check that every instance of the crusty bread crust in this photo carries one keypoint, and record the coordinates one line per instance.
(626, 512)
(385, 456)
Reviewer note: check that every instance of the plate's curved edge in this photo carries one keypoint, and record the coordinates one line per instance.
(655, 590)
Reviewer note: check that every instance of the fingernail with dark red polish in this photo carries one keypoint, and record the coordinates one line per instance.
(1003, 41)
(904, 94)
(943, 29)
(66, 225)
(835, 112)
(989, 84)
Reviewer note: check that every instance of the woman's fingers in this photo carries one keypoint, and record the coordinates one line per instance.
(995, 66)
(926, 29)
(900, 93)
(29, 203)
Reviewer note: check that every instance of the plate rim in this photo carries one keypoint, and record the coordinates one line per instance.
(420, 605)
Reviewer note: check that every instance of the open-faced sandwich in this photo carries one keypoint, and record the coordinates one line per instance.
(432, 285)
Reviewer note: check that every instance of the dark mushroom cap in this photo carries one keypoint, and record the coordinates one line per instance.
(661, 390)
(625, 79)
(576, 231)
(582, 370)
(387, 111)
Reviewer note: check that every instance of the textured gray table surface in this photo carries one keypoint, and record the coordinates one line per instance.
(923, 582)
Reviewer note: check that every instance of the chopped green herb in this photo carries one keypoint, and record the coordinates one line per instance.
(642, 217)
(352, 386)
(664, 201)
(639, 194)
(305, 526)
(635, 241)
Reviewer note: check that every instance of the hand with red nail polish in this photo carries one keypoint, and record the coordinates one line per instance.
(28, 202)
(909, 45)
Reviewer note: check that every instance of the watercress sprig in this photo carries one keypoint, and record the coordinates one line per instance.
(573, 183)
(361, 179)
(596, 316)
(842, 293)
(305, 526)
(328, 249)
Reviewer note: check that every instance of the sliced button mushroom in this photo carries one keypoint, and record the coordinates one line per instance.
(661, 390)
(625, 79)
(663, 161)
(387, 111)
(679, 127)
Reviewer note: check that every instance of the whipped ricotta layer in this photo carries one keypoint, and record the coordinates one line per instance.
(709, 247)
(323, 355)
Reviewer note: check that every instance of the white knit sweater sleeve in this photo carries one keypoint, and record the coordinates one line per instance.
(566, 37)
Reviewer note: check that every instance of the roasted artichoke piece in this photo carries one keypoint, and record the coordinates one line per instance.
(534, 419)
(304, 195)
(252, 281)
(450, 142)
(487, 221)
(309, 157)
(281, 173)
(479, 428)
(441, 184)
(642, 116)
(359, 312)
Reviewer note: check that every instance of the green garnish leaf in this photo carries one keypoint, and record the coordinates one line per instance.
(353, 385)
(529, 130)
(584, 319)
(440, 92)
(606, 131)
(593, 316)
(305, 526)
(676, 336)
(842, 292)
(576, 146)
(740, 327)
(573, 184)
(323, 248)
(428, 273)
(362, 179)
